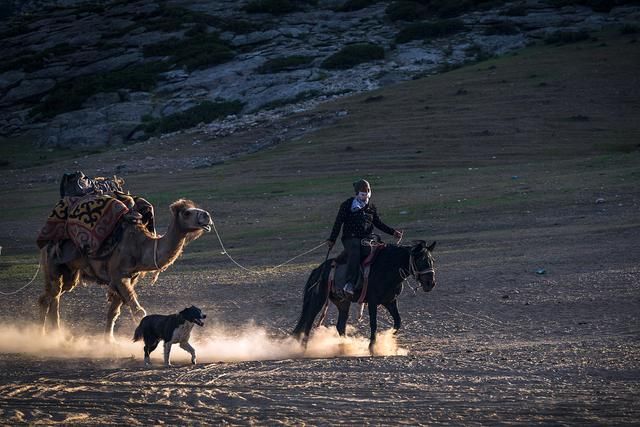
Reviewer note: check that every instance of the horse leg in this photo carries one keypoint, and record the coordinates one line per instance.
(343, 316)
(115, 302)
(373, 322)
(393, 310)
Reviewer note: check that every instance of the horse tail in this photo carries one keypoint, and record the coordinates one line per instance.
(314, 297)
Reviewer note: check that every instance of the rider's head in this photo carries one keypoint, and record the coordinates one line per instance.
(362, 186)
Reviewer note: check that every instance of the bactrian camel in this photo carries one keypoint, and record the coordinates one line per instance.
(137, 253)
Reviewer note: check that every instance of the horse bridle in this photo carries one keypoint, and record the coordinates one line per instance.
(414, 268)
(413, 271)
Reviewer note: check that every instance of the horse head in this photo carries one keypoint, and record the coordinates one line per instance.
(421, 264)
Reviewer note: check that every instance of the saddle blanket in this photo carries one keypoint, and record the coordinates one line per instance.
(87, 221)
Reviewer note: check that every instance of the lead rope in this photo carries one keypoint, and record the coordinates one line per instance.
(25, 286)
(224, 252)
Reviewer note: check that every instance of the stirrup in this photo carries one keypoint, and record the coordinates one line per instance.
(348, 289)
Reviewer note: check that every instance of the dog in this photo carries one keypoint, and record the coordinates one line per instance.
(172, 329)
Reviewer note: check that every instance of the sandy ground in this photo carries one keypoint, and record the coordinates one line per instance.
(535, 318)
(493, 343)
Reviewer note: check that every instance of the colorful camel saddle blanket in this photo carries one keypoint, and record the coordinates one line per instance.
(87, 221)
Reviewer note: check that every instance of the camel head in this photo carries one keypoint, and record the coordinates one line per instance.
(190, 219)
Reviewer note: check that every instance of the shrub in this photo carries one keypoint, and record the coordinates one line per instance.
(285, 63)
(69, 96)
(274, 7)
(204, 112)
(195, 52)
(516, 10)
(630, 29)
(352, 55)
(406, 11)
(35, 61)
(428, 30)
(351, 5)
(565, 37)
(503, 28)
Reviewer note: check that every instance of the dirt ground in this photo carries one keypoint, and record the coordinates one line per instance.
(535, 318)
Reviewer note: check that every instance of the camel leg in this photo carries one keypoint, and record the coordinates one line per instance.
(124, 287)
(49, 301)
(115, 302)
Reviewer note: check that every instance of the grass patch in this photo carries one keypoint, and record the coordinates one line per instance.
(566, 37)
(430, 30)
(195, 52)
(285, 63)
(204, 112)
(352, 55)
(69, 96)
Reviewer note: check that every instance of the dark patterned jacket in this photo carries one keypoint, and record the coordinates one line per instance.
(357, 224)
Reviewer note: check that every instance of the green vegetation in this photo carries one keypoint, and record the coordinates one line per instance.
(284, 63)
(430, 30)
(351, 5)
(274, 7)
(35, 61)
(516, 10)
(596, 5)
(407, 10)
(69, 96)
(502, 28)
(566, 37)
(204, 112)
(352, 55)
(630, 29)
(198, 51)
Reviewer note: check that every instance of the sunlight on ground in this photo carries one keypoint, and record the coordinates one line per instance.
(219, 345)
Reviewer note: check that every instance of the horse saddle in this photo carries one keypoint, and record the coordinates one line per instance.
(337, 275)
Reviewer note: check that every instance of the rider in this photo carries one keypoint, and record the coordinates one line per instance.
(357, 217)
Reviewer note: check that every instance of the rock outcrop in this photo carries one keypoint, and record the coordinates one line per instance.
(64, 64)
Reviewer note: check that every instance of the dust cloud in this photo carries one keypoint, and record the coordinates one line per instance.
(219, 344)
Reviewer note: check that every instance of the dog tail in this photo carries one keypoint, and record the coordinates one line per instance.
(137, 335)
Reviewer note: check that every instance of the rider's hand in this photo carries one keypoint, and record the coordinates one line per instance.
(330, 243)
(398, 234)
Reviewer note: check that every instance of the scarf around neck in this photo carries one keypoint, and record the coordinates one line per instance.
(360, 201)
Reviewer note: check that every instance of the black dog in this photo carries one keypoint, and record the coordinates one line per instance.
(175, 328)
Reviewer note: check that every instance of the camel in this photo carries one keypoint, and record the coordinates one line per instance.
(137, 252)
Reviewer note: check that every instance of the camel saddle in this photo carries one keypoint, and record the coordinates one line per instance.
(90, 212)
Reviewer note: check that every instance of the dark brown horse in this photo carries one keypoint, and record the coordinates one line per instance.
(391, 267)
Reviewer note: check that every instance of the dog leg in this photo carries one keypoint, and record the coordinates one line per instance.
(167, 351)
(187, 347)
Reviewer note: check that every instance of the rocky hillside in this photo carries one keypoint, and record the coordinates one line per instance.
(79, 73)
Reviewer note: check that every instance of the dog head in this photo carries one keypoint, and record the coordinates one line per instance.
(194, 315)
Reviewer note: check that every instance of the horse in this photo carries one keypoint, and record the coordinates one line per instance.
(391, 267)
